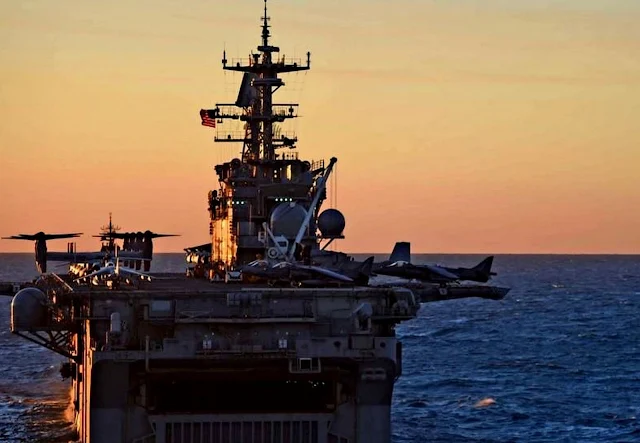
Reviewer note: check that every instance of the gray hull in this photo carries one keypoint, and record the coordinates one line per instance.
(193, 361)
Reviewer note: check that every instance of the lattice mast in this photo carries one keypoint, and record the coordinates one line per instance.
(108, 234)
(255, 100)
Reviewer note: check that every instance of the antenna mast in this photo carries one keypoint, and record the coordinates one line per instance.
(260, 139)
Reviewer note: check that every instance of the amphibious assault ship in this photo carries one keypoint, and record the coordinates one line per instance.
(268, 338)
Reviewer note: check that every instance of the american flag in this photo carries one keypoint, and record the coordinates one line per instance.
(207, 118)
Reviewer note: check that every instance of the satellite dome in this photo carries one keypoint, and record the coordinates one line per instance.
(286, 219)
(29, 310)
(331, 223)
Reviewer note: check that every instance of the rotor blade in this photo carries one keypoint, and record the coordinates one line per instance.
(132, 255)
(149, 234)
(53, 236)
(42, 236)
(140, 234)
(113, 235)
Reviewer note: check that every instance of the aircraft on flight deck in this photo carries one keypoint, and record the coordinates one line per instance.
(136, 249)
(306, 274)
(399, 265)
(113, 271)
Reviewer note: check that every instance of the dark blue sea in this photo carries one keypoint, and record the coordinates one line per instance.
(558, 360)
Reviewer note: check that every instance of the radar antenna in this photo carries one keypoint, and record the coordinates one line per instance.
(265, 26)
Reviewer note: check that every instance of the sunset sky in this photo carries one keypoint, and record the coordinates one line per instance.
(497, 126)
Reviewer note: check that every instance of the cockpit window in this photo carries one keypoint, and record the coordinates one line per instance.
(398, 264)
(258, 264)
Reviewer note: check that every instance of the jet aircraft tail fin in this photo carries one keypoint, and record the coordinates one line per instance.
(401, 252)
(363, 272)
(367, 266)
(484, 267)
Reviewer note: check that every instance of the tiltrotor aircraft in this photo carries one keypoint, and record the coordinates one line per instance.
(137, 248)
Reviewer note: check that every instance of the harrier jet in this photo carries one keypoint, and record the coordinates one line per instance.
(399, 265)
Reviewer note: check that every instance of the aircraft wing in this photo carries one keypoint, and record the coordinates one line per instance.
(127, 255)
(79, 257)
(255, 270)
(129, 271)
(440, 272)
(326, 272)
(103, 271)
(206, 247)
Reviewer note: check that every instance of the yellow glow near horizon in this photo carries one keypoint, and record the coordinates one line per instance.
(507, 127)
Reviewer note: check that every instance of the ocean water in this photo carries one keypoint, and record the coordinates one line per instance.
(558, 360)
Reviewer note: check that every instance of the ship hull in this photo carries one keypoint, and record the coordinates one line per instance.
(192, 361)
(251, 406)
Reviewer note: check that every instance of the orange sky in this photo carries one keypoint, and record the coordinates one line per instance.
(494, 126)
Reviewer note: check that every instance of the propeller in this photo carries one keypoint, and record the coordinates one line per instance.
(145, 235)
(136, 241)
(41, 245)
(41, 236)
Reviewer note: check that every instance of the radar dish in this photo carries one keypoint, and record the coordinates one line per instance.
(331, 223)
(29, 310)
(286, 219)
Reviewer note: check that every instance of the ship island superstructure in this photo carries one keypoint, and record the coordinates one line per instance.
(219, 355)
(269, 183)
